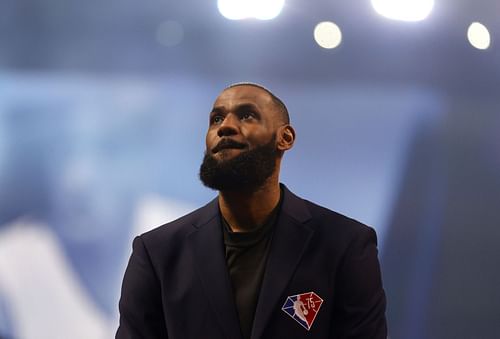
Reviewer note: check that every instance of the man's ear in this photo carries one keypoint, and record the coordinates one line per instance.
(286, 137)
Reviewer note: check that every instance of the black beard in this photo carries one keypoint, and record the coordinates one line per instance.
(247, 171)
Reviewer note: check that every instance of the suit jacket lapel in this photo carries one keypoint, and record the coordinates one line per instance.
(208, 251)
(290, 240)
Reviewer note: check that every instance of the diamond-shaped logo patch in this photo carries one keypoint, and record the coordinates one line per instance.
(303, 308)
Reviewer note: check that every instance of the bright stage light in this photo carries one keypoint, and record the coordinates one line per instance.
(405, 10)
(233, 9)
(327, 34)
(478, 35)
(245, 9)
(267, 9)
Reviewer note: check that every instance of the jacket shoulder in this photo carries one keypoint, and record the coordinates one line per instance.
(328, 221)
(178, 229)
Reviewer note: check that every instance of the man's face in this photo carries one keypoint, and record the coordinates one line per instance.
(245, 115)
(241, 140)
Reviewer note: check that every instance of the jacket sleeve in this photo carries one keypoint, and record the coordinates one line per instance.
(361, 302)
(141, 313)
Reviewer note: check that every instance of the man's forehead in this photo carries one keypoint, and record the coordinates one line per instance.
(248, 93)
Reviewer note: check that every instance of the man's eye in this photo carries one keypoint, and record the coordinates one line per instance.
(217, 119)
(246, 116)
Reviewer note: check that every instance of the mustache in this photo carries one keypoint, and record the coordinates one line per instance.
(228, 143)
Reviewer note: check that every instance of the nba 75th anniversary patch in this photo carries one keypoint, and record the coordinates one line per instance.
(303, 308)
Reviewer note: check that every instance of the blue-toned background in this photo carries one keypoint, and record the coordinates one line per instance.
(103, 113)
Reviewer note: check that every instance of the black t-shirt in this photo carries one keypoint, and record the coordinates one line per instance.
(246, 256)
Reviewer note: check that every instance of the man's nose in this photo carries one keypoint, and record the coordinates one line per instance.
(229, 126)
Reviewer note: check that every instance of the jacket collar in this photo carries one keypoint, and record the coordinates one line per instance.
(291, 238)
(292, 205)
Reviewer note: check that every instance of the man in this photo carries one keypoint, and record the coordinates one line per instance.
(257, 261)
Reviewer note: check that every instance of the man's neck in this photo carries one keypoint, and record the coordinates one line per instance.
(245, 211)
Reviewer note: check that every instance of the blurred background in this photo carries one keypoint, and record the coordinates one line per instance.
(104, 107)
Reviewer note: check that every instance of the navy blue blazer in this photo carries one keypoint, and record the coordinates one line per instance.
(177, 285)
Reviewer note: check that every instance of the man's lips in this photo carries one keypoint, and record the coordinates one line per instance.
(228, 144)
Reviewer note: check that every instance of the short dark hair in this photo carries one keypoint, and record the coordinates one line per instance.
(277, 101)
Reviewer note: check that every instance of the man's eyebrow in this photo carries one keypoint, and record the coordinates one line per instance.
(217, 109)
(240, 107)
(247, 105)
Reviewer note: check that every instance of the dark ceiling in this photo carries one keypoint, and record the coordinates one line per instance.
(119, 37)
